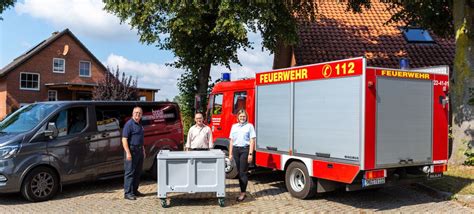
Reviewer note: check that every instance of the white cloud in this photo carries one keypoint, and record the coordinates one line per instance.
(252, 60)
(159, 76)
(86, 17)
(150, 75)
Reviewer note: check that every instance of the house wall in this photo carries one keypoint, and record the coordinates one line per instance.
(150, 95)
(3, 98)
(42, 63)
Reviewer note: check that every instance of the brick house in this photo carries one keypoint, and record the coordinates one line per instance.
(58, 68)
(340, 34)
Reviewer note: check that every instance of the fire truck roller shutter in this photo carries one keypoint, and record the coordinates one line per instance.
(273, 117)
(404, 121)
(328, 118)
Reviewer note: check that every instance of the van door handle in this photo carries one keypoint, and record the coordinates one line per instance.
(88, 138)
(105, 134)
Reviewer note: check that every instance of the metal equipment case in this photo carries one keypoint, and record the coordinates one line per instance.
(191, 172)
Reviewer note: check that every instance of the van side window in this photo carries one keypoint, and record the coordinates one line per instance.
(61, 123)
(71, 121)
(77, 120)
(217, 106)
(107, 119)
(240, 99)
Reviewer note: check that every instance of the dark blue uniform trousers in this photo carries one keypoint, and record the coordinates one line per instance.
(133, 170)
(241, 155)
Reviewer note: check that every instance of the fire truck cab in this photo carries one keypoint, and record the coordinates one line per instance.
(340, 124)
(226, 99)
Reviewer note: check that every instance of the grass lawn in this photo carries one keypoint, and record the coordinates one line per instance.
(457, 180)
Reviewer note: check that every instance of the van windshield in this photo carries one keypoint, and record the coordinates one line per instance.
(26, 118)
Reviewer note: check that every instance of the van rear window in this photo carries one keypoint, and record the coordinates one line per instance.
(160, 113)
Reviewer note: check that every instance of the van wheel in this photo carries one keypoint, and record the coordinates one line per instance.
(231, 171)
(41, 184)
(298, 182)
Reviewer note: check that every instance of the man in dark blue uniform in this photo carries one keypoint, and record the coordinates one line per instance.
(132, 142)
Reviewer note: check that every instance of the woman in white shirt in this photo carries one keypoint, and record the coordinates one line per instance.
(242, 142)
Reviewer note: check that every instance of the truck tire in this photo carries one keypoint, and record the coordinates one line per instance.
(298, 182)
(231, 171)
(41, 184)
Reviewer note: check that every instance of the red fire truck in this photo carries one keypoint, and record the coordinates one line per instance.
(340, 124)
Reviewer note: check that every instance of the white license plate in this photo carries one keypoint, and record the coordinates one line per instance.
(370, 182)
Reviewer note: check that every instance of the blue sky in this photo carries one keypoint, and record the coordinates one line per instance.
(114, 44)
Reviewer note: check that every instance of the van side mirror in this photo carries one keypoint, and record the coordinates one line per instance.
(51, 131)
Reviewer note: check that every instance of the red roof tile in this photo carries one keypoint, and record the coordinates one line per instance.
(339, 34)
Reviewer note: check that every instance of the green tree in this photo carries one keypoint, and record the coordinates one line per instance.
(5, 4)
(203, 33)
(186, 98)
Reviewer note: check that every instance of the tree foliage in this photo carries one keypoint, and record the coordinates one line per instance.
(116, 87)
(434, 15)
(5, 4)
(203, 33)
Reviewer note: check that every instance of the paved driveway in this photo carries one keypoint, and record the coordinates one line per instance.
(268, 194)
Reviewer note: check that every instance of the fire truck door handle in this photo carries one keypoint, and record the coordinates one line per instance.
(219, 128)
(272, 148)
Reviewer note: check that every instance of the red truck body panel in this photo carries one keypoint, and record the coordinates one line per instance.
(332, 168)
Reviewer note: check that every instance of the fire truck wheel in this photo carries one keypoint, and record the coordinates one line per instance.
(231, 171)
(298, 182)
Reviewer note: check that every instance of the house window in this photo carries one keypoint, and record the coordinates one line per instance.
(59, 65)
(417, 35)
(84, 68)
(52, 95)
(29, 81)
(142, 98)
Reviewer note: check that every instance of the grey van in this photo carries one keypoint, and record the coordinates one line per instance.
(49, 144)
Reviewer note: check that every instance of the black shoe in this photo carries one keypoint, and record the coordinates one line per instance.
(130, 197)
(139, 194)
